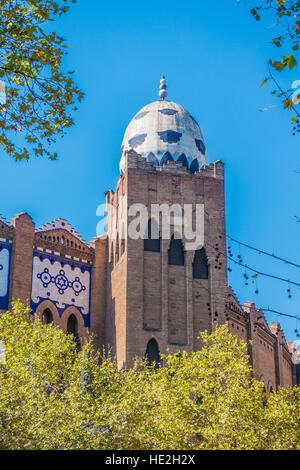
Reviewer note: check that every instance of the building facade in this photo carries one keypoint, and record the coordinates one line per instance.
(148, 294)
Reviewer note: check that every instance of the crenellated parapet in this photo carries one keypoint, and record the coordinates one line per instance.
(5, 227)
(133, 160)
(271, 358)
(213, 170)
(237, 318)
(60, 224)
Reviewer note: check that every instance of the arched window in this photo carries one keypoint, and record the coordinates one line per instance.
(176, 252)
(72, 326)
(152, 352)
(200, 265)
(152, 240)
(72, 329)
(47, 316)
(265, 400)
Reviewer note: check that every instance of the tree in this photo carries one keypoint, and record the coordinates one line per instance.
(53, 397)
(46, 400)
(287, 22)
(36, 96)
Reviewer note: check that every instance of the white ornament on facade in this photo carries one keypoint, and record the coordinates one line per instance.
(61, 284)
(4, 271)
(163, 88)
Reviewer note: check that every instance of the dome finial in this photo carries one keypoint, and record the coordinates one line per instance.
(163, 88)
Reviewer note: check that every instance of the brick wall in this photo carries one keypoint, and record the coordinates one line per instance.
(154, 302)
(98, 293)
(22, 251)
(135, 294)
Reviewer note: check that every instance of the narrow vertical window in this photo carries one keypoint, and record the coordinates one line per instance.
(47, 316)
(152, 240)
(265, 398)
(72, 329)
(200, 265)
(176, 252)
(152, 352)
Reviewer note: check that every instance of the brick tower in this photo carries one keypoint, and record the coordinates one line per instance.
(158, 276)
(159, 293)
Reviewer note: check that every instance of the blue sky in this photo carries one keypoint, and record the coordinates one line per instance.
(214, 56)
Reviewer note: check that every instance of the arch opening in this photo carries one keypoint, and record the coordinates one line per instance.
(72, 329)
(200, 265)
(152, 353)
(47, 316)
(152, 240)
(176, 252)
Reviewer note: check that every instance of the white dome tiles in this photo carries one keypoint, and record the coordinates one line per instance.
(162, 131)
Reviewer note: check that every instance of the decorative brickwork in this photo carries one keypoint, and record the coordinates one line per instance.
(141, 298)
(5, 254)
(131, 296)
(65, 283)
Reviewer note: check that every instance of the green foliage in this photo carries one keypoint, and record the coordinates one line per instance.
(53, 397)
(287, 21)
(37, 97)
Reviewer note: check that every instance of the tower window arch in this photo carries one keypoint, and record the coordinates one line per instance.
(152, 352)
(72, 329)
(47, 316)
(152, 240)
(200, 265)
(176, 252)
(265, 400)
(72, 326)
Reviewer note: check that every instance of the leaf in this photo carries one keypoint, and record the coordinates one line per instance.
(290, 61)
(40, 96)
(264, 82)
(287, 104)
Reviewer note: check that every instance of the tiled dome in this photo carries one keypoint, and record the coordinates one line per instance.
(162, 131)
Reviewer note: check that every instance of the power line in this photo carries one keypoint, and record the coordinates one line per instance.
(280, 313)
(264, 252)
(263, 274)
(239, 263)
